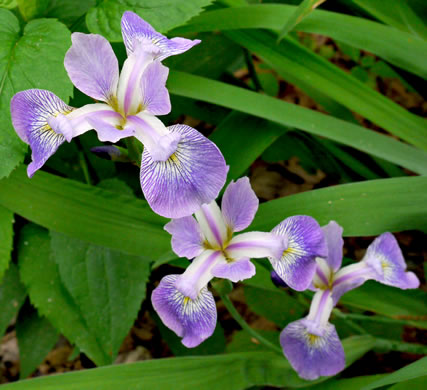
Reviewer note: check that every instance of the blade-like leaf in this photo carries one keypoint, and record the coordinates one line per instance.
(47, 293)
(363, 209)
(414, 370)
(296, 63)
(108, 287)
(33, 58)
(88, 213)
(234, 371)
(36, 337)
(303, 10)
(6, 239)
(287, 114)
(163, 15)
(12, 296)
(397, 47)
(241, 142)
(347, 384)
(410, 305)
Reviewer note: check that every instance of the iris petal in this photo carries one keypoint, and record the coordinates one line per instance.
(335, 243)
(305, 242)
(31, 110)
(136, 31)
(239, 204)
(191, 176)
(92, 66)
(385, 258)
(192, 319)
(235, 270)
(311, 350)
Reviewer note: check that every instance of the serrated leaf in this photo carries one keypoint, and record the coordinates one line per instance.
(12, 296)
(6, 239)
(36, 337)
(108, 287)
(32, 58)
(31, 9)
(163, 15)
(47, 293)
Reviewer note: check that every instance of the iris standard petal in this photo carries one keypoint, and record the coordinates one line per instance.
(334, 243)
(305, 241)
(187, 238)
(155, 96)
(312, 354)
(193, 320)
(92, 66)
(386, 260)
(136, 32)
(234, 270)
(212, 225)
(239, 204)
(255, 245)
(31, 111)
(193, 175)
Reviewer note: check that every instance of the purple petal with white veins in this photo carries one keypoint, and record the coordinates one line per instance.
(212, 225)
(385, 258)
(105, 124)
(92, 66)
(305, 242)
(239, 204)
(312, 354)
(193, 175)
(335, 243)
(155, 96)
(277, 280)
(136, 32)
(193, 320)
(187, 238)
(255, 245)
(31, 111)
(235, 270)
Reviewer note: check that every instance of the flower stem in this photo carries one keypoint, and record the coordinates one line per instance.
(252, 70)
(134, 149)
(244, 325)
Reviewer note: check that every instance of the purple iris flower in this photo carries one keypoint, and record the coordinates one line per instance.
(312, 345)
(181, 169)
(183, 302)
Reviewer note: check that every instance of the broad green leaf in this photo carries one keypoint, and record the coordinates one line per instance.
(397, 47)
(108, 287)
(12, 296)
(291, 115)
(241, 142)
(32, 58)
(88, 213)
(243, 341)
(6, 239)
(408, 305)
(300, 64)
(303, 10)
(234, 371)
(9, 4)
(40, 275)
(69, 11)
(36, 337)
(414, 370)
(363, 209)
(163, 15)
(31, 9)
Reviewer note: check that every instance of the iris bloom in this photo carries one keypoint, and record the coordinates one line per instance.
(180, 170)
(312, 345)
(183, 302)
